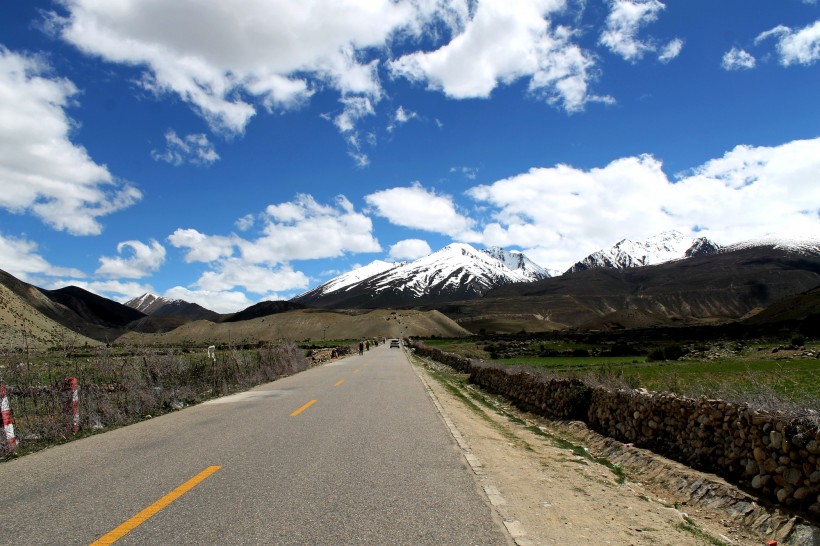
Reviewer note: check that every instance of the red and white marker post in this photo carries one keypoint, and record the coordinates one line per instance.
(8, 420)
(71, 403)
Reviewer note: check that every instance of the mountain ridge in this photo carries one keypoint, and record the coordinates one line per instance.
(661, 248)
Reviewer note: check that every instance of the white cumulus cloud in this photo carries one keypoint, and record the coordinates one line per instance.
(500, 43)
(229, 301)
(738, 59)
(228, 58)
(623, 24)
(201, 247)
(20, 257)
(41, 170)
(140, 260)
(304, 229)
(419, 208)
(800, 46)
(234, 273)
(409, 249)
(559, 214)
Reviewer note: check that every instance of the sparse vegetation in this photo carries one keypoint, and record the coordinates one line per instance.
(121, 386)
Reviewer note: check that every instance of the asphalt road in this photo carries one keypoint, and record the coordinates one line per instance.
(370, 461)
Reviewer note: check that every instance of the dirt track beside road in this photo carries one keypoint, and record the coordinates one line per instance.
(551, 489)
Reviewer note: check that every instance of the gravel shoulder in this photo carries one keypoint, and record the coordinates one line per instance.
(550, 488)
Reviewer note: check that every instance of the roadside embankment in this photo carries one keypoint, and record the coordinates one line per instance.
(776, 456)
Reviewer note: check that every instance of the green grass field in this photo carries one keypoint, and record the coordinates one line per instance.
(751, 375)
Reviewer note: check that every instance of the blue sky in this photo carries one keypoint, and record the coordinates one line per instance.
(231, 152)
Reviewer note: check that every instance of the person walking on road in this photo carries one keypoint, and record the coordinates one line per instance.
(361, 347)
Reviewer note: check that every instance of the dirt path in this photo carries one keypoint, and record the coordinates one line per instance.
(550, 489)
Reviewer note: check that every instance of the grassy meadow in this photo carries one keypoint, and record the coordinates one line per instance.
(763, 373)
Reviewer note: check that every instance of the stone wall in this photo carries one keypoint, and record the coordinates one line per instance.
(777, 456)
(556, 398)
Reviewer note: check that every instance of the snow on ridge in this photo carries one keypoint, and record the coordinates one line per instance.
(346, 280)
(518, 262)
(457, 264)
(798, 243)
(664, 247)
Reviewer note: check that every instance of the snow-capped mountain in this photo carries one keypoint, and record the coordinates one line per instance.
(346, 280)
(804, 244)
(158, 306)
(147, 303)
(517, 261)
(665, 247)
(458, 271)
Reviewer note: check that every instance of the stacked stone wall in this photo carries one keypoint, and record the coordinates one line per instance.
(776, 455)
(556, 398)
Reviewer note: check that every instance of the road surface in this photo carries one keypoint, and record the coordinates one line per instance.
(352, 452)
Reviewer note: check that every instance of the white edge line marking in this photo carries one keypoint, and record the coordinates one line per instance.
(514, 528)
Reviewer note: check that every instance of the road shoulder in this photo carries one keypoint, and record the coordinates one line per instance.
(549, 488)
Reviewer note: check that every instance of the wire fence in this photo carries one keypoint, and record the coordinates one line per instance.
(52, 400)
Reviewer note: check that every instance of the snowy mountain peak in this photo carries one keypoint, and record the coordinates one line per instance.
(147, 303)
(517, 261)
(457, 270)
(346, 280)
(664, 247)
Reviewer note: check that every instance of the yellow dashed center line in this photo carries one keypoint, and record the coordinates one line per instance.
(112, 536)
(303, 408)
(339, 382)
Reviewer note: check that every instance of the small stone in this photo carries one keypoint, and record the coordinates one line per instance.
(775, 439)
(801, 493)
(792, 476)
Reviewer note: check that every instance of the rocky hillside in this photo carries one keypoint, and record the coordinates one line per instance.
(720, 287)
(157, 306)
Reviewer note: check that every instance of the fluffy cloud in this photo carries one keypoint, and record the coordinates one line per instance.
(233, 272)
(409, 249)
(416, 207)
(20, 258)
(195, 149)
(219, 57)
(221, 302)
(737, 59)
(561, 213)
(140, 262)
(259, 263)
(503, 42)
(800, 46)
(305, 230)
(41, 170)
(620, 35)
(201, 247)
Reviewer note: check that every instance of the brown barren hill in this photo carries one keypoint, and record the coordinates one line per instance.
(306, 324)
